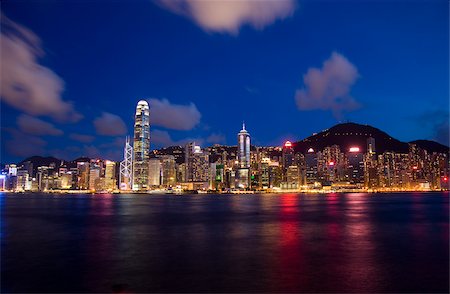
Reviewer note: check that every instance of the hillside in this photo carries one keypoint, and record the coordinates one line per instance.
(347, 135)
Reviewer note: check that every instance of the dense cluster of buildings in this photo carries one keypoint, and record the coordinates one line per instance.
(238, 168)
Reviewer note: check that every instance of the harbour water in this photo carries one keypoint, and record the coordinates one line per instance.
(383, 242)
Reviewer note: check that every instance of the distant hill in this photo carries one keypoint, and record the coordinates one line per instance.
(348, 135)
(431, 146)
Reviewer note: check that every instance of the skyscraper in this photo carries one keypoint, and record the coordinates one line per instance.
(141, 146)
(243, 172)
(197, 163)
(244, 148)
(126, 167)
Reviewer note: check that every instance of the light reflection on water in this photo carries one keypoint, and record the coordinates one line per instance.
(242, 243)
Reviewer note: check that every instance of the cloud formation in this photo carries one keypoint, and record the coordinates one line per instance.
(109, 124)
(328, 88)
(24, 145)
(82, 138)
(35, 126)
(228, 16)
(173, 116)
(27, 85)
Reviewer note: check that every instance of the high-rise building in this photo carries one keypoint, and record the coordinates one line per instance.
(154, 172)
(141, 146)
(371, 146)
(243, 156)
(355, 165)
(126, 167)
(169, 172)
(244, 148)
(197, 163)
(83, 175)
(311, 166)
(110, 176)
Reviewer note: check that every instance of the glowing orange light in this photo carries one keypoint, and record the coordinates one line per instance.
(288, 144)
(331, 163)
(414, 167)
(445, 179)
(354, 149)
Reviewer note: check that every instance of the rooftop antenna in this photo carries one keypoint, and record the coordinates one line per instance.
(243, 125)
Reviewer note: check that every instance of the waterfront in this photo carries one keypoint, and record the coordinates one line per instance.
(353, 242)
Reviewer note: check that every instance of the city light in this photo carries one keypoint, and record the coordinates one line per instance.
(310, 150)
(288, 144)
(354, 149)
(331, 163)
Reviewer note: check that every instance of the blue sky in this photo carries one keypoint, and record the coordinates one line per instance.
(288, 68)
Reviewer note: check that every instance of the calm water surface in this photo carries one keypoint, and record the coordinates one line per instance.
(222, 243)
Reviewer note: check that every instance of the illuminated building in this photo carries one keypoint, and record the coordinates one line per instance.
(311, 166)
(264, 173)
(141, 146)
(244, 148)
(154, 172)
(83, 175)
(110, 176)
(169, 172)
(94, 178)
(126, 167)
(371, 146)
(355, 165)
(43, 179)
(243, 152)
(197, 163)
(292, 177)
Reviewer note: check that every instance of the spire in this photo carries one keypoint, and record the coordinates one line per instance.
(243, 125)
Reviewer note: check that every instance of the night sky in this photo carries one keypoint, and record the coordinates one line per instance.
(72, 71)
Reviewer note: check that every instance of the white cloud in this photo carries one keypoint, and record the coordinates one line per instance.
(35, 126)
(109, 124)
(328, 88)
(173, 116)
(27, 85)
(228, 16)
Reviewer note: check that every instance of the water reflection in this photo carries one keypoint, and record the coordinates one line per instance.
(216, 243)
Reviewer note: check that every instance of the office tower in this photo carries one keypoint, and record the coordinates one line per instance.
(355, 165)
(154, 172)
(169, 172)
(197, 163)
(126, 167)
(243, 156)
(141, 146)
(311, 166)
(371, 146)
(94, 177)
(110, 176)
(244, 148)
(42, 176)
(287, 158)
(83, 175)
(288, 155)
(293, 177)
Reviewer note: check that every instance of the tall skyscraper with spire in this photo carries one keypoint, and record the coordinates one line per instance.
(141, 146)
(243, 153)
(244, 148)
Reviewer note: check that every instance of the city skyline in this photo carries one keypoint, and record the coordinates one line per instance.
(196, 74)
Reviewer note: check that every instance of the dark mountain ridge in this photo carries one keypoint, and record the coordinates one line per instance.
(347, 135)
